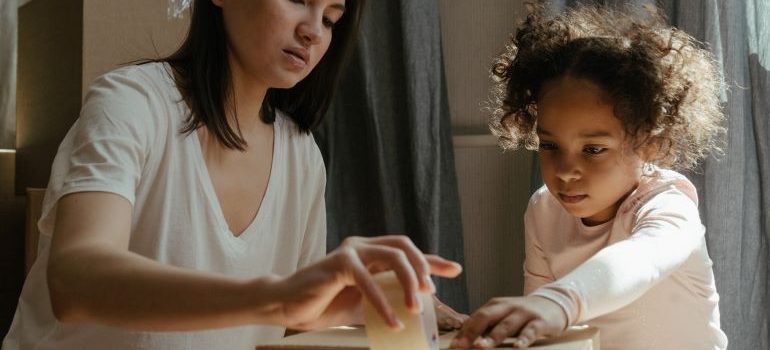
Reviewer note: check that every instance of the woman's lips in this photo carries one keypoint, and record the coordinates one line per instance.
(295, 60)
(572, 199)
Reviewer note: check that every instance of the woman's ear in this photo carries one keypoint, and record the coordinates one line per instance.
(218, 3)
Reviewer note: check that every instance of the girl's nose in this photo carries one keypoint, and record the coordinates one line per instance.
(567, 171)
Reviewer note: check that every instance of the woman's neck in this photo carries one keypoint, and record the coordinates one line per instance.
(247, 97)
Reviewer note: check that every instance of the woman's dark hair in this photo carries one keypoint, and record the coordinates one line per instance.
(202, 73)
(664, 86)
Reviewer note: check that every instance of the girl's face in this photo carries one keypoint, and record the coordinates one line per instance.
(278, 42)
(586, 161)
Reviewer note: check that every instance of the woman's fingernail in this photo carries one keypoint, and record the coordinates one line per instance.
(397, 325)
(483, 342)
(417, 304)
(458, 343)
(519, 343)
(430, 284)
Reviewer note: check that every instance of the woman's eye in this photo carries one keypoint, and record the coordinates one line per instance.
(546, 146)
(593, 150)
(328, 23)
(298, 1)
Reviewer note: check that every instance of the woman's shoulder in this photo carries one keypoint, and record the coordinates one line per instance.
(137, 94)
(300, 143)
(131, 83)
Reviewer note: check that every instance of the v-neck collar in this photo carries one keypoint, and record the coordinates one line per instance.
(208, 185)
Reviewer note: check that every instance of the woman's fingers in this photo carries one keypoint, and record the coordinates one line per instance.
(443, 267)
(399, 254)
(415, 257)
(370, 290)
(397, 261)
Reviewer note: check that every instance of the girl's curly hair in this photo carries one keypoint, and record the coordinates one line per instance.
(665, 87)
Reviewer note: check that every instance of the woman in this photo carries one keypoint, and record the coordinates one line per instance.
(189, 196)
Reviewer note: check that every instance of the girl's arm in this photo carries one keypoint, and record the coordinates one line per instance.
(666, 233)
(536, 269)
(94, 278)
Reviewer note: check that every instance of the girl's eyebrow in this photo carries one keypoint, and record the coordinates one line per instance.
(595, 134)
(585, 134)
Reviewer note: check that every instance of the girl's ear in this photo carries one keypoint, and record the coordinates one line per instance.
(218, 3)
(649, 151)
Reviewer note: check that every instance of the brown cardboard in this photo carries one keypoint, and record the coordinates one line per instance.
(349, 338)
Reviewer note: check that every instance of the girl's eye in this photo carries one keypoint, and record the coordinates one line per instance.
(547, 146)
(593, 150)
(298, 1)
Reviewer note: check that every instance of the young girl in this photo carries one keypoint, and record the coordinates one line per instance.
(613, 239)
(185, 208)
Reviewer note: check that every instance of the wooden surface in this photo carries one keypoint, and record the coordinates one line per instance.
(346, 338)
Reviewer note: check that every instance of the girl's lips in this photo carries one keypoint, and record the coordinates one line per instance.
(572, 199)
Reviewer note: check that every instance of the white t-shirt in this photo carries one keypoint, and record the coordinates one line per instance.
(127, 141)
(644, 278)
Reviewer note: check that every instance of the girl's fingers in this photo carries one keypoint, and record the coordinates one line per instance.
(479, 322)
(370, 290)
(510, 325)
(529, 333)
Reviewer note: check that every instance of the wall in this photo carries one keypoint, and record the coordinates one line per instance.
(116, 32)
(63, 47)
(48, 99)
(49, 80)
(494, 186)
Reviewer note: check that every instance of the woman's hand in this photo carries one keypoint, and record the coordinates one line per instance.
(447, 318)
(524, 318)
(329, 292)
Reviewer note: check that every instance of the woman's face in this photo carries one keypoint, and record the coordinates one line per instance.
(278, 42)
(587, 162)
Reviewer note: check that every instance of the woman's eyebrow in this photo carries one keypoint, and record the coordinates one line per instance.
(339, 7)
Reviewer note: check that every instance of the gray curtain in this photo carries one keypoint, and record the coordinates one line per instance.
(387, 139)
(8, 45)
(734, 188)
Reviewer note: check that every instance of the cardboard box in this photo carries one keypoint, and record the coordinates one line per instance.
(349, 338)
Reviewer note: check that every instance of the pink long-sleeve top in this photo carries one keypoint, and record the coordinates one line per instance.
(645, 279)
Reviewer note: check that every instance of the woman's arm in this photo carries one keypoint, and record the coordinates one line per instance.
(93, 278)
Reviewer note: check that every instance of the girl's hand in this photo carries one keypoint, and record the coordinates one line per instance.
(447, 318)
(329, 292)
(524, 318)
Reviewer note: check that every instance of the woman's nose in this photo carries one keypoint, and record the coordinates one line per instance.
(310, 31)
